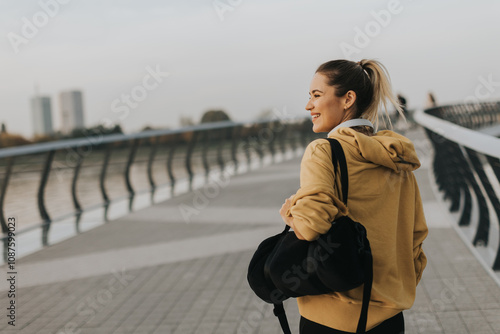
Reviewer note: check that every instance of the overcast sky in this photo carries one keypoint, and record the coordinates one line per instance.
(238, 55)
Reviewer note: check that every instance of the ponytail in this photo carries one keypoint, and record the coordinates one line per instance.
(369, 80)
(382, 92)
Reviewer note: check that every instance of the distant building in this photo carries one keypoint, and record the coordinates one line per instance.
(41, 115)
(71, 111)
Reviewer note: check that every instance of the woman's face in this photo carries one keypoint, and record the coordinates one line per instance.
(327, 110)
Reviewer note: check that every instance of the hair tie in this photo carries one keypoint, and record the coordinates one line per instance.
(363, 69)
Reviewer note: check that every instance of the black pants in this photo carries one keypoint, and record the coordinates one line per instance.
(394, 325)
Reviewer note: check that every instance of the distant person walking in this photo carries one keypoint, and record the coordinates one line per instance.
(402, 119)
(345, 97)
(431, 101)
(403, 105)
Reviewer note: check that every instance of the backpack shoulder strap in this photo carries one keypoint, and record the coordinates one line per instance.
(338, 155)
(279, 311)
(367, 292)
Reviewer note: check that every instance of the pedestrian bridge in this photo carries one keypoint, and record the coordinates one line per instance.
(167, 252)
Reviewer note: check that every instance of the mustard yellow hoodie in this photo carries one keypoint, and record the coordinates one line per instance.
(384, 197)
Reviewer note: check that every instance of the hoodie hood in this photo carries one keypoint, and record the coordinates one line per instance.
(386, 148)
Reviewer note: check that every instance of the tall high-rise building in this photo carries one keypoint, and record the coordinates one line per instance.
(71, 110)
(41, 115)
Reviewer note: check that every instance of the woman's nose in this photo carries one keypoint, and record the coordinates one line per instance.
(309, 105)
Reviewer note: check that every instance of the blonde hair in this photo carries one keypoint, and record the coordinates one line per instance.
(370, 81)
(382, 92)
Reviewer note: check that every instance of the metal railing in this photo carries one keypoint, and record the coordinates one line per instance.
(466, 167)
(160, 158)
(470, 115)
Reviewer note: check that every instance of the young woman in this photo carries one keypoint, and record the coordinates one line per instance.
(345, 101)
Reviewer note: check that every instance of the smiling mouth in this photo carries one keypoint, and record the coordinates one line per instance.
(315, 116)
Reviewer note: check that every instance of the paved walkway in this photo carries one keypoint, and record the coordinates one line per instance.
(180, 267)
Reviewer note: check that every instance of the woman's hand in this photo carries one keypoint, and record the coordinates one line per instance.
(284, 209)
(287, 219)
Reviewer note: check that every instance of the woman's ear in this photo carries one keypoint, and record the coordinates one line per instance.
(350, 99)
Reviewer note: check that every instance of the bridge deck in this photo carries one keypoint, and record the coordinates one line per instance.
(159, 271)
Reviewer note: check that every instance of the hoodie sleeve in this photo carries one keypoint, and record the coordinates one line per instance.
(420, 232)
(316, 205)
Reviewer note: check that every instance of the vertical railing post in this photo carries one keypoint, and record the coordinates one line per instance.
(78, 165)
(78, 217)
(271, 134)
(189, 154)
(490, 192)
(235, 138)
(450, 164)
(306, 130)
(205, 146)
(151, 159)
(170, 159)
(248, 146)
(495, 165)
(223, 136)
(291, 138)
(102, 177)
(41, 197)
(483, 226)
(258, 143)
(277, 127)
(130, 161)
(283, 138)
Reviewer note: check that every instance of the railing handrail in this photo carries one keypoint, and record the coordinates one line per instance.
(466, 137)
(110, 138)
